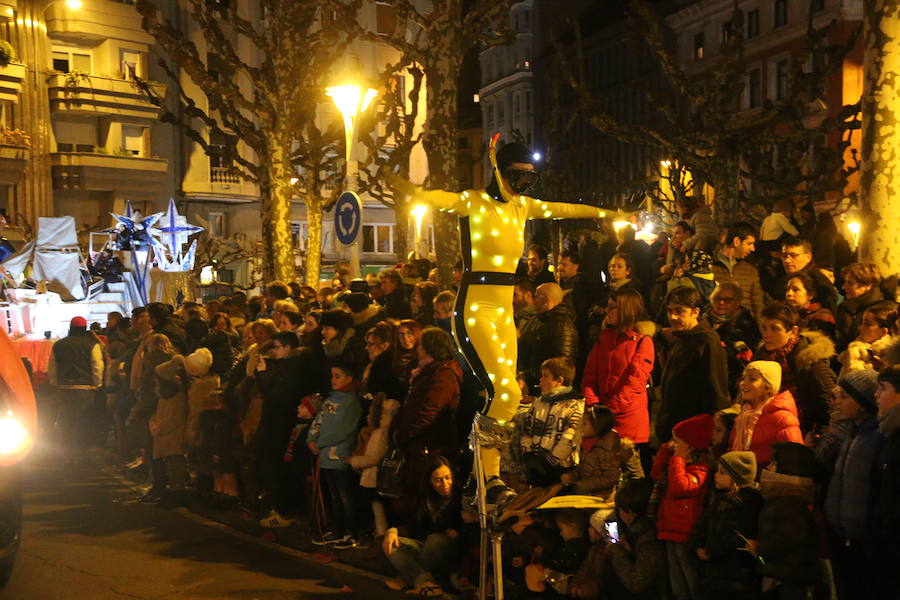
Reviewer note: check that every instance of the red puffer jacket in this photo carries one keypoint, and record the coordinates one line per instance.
(685, 498)
(777, 423)
(616, 375)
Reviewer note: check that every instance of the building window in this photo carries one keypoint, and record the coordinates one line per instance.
(133, 140)
(385, 18)
(753, 23)
(131, 64)
(489, 119)
(727, 31)
(754, 96)
(216, 222)
(501, 113)
(698, 46)
(222, 148)
(780, 12)
(817, 6)
(781, 79)
(378, 238)
(517, 108)
(526, 17)
(299, 234)
(68, 60)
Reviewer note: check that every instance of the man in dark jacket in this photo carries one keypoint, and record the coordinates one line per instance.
(887, 517)
(730, 264)
(394, 300)
(695, 367)
(536, 261)
(365, 314)
(797, 257)
(295, 372)
(76, 370)
(162, 322)
(556, 334)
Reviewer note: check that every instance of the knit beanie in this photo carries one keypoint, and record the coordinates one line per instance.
(740, 465)
(792, 458)
(769, 370)
(357, 301)
(198, 362)
(696, 432)
(861, 385)
(313, 403)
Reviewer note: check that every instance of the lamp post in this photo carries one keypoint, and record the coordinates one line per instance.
(352, 98)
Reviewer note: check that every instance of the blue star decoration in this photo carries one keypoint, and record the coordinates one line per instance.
(176, 229)
(133, 229)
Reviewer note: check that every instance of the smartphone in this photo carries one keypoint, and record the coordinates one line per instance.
(612, 531)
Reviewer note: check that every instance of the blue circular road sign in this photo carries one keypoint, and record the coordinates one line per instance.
(347, 218)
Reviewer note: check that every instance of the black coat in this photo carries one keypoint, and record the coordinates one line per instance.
(556, 336)
(849, 315)
(730, 569)
(396, 305)
(694, 379)
(740, 335)
(787, 540)
(887, 510)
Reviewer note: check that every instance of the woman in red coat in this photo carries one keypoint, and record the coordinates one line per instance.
(766, 417)
(619, 366)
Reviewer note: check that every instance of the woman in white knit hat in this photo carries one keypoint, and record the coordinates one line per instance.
(767, 415)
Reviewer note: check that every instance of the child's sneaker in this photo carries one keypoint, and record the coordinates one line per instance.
(328, 538)
(347, 542)
(274, 520)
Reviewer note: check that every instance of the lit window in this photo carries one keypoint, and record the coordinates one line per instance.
(68, 60)
(133, 140)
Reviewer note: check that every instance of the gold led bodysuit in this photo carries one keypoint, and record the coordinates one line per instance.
(492, 239)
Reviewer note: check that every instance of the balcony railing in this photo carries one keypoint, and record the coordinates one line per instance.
(222, 175)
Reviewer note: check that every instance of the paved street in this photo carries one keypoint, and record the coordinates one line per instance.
(85, 537)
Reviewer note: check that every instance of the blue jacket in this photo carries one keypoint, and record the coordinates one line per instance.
(335, 427)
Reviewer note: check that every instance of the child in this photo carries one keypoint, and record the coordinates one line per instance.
(723, 423)
(602, 454)
(551, 431)
(787, 541)
(167, 425)
(637, 562)
(680, 472)
(552, 577)
(729, 524)
(875, 336)
(586, 582)
(214, 456)
(203, 383)
(332, 437)
(381, 414)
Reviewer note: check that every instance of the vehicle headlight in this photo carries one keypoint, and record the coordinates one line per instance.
(14, 437)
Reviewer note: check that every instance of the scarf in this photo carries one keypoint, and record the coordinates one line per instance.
(745, 424)
(889, 424)
(615, 285)
(588, 443)
(335, 347)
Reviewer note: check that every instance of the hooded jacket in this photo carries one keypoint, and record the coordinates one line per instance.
(694, 379)
(685, 497)
(777, 423)
(616, 375)
(808, 376)
(787, 539)
(334, 429)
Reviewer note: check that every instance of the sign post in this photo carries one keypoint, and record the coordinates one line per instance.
(347, 225)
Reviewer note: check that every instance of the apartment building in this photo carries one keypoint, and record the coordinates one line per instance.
(774, 31)
(94, 141)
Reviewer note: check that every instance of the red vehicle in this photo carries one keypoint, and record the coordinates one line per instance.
(18, 426)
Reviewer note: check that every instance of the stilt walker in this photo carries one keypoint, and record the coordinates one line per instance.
(492, 238)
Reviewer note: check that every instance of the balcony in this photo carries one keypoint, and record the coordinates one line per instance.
(12, 162)
(96, 95)
(136, 177)
(11, 78)
(96, 20)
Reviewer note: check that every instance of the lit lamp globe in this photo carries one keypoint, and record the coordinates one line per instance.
(351, 99)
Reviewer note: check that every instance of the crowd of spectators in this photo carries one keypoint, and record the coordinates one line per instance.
(730, 397)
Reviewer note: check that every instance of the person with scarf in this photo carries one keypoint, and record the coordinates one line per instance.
(736, 326)
(802, 295)
(339, 341)
(767, 415)
(804, 357)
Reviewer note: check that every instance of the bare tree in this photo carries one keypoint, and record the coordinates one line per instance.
(294, 48)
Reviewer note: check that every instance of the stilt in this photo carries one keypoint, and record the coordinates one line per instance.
(490, 541)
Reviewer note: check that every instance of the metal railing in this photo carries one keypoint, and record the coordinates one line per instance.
(222, 175)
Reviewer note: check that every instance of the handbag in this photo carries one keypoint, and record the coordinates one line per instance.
(389, 480)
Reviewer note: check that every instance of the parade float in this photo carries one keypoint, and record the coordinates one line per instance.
(141, 259)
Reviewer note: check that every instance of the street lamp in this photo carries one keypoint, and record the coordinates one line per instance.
(352, 98)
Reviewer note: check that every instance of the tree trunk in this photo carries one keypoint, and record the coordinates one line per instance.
(442, 78)
(313, 242)
(278, 257)
(880, 168)
(401, 227)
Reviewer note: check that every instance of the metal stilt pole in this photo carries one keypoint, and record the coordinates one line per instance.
(490, 542)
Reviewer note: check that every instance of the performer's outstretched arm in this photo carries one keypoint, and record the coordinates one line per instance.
(439, 199)
(539, 209)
